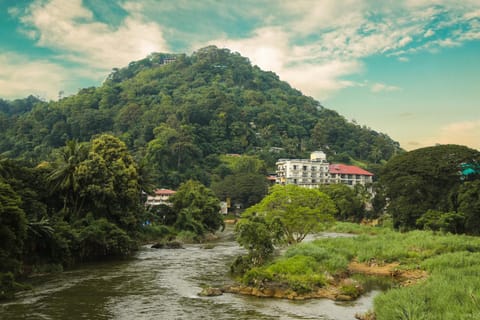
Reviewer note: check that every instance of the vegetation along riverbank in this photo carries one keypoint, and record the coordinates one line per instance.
(435, 275)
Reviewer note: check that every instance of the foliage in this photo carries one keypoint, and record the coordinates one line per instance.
(469, 205)
(197, 208)
(259, 237)
(442, 221)
(299, 273)
(349, 204)
(182, 114)
(428, 179)
(241, 179)
(108, 182)
(450, 292)
(98, 239)
(300, 211)
(13, 227)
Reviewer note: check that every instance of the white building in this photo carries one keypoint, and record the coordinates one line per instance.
(316, 171)
(161, 196)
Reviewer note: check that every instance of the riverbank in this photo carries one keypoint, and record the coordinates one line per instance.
(335, 289)
(426, 268)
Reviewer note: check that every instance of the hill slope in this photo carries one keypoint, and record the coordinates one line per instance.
(181, 110)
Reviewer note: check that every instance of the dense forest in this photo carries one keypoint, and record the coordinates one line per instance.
(178, 113)
(427, 189)
(74, 173)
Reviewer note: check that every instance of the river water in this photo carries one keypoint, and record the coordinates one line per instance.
(163, 284)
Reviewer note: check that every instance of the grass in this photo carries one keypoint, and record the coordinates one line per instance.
(451, 291)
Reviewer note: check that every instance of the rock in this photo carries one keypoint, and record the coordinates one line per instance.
(343, 297)
(211, 292)
(158, 245)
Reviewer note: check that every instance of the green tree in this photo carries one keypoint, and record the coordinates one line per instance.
(108, 182)
(13, 228)
(469, 205)
(349, 204)
(424, 179)
(62, 175)
(197, 208)
(300, 211)
(442, 221)
(259, 237)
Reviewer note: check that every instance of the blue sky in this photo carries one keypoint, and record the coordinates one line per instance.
(410, 69)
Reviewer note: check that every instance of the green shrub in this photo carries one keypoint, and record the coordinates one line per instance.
(7, 285)
(330, 260)
(102, 239)
(257, 276)
(155, 232)
(186, 236)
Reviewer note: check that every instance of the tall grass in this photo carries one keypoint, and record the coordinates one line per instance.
(451, 291)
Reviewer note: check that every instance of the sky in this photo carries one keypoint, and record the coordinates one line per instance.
(410, 69)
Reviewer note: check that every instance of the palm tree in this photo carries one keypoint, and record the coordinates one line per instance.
(62, 177)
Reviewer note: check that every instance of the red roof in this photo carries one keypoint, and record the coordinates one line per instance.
(164, 192)
(346, 169)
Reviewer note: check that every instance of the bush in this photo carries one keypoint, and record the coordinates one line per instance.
(299, 273)
(188, 236)
(101, 239)
(156, 233)
(330, 260)
(7, 285)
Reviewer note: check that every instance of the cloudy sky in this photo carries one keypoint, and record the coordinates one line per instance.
(410, 68)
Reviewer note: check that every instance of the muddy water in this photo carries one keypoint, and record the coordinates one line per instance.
(163, 284)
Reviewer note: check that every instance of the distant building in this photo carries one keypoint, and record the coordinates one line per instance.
(351, 175)
(316, 171)
(161, 196)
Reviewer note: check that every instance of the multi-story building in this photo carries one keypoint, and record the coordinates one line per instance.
(316, 171)
(161, 196)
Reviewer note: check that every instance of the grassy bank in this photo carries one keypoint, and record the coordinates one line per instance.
(452, 262)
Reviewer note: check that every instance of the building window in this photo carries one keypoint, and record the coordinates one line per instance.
(304, 168)
(294, 167)
(295, 181)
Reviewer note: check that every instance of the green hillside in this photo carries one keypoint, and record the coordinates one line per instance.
(178, 113)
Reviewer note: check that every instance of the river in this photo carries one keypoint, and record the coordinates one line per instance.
(163, 284)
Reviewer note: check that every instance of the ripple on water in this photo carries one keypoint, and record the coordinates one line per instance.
(164, 284)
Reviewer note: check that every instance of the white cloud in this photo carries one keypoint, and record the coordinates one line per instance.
(69, 28)
(429, 33)
(472, 14)
(22, 76)
(269, 49)
(381, 87)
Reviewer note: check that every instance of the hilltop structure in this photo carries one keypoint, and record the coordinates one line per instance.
(316, 171)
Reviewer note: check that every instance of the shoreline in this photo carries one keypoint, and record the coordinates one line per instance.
(331, 291)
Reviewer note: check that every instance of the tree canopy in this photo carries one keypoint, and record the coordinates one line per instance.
(180, 115)
(300, 211)
(197, 208)
(430, 179)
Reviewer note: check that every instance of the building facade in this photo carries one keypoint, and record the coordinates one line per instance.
(160, 196)
(316, 171)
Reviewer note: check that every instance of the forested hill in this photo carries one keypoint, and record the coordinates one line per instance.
(177, 112)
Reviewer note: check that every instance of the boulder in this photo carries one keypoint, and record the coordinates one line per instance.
(211, 292)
